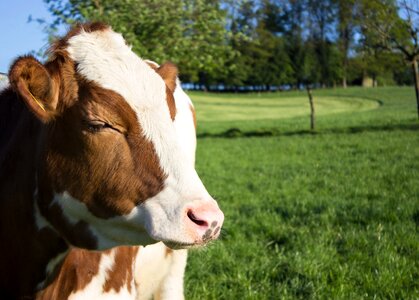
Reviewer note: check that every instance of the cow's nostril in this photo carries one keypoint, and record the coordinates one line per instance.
(196, 220)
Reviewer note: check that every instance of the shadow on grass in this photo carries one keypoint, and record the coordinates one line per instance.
(238, 133)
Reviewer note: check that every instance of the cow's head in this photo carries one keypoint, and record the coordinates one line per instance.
(116, 157)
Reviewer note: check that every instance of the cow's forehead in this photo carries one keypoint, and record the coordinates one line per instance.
(103, 57)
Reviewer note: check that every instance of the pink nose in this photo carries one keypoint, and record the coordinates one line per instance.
(206, 220)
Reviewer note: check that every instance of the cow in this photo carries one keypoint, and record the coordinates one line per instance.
(99, 196)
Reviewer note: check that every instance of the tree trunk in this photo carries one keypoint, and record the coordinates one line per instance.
(374, 81)
(312, 112)
(345, 70)
(344, 84)
(416, 76)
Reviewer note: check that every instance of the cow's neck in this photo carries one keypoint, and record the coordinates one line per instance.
(30, 247)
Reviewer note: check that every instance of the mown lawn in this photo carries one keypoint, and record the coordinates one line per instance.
(330, 215)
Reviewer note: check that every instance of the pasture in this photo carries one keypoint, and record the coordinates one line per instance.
(327, 215)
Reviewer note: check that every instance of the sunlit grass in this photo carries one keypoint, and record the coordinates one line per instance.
(333, 215)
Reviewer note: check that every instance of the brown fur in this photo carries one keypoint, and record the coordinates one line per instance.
(122, 271)
(168, 252)
(171, 103)
(168, 71)
(35, 86)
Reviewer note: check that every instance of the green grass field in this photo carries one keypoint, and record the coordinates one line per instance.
(327, 215)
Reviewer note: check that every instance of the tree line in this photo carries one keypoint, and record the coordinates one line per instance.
(265, 44)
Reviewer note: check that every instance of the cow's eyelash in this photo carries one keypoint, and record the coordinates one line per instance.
(96, 126)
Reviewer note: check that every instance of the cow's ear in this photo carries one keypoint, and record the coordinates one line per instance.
(168, 71)
(32, 81)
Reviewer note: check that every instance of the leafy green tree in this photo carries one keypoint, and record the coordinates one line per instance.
(321, 18)
(263, 59)
(241, 16)
(346, 28)
(293, 16)
(191, 33)
(393, 25)
(271, 61)
(205, 35)
(268, 60)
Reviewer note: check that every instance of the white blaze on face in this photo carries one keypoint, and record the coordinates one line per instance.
(103, 57)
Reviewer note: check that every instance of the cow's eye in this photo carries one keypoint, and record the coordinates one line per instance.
(96, 126)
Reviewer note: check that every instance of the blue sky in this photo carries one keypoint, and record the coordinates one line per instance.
(17, 36)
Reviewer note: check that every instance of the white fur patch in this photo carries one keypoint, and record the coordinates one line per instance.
(158, 274)
(172, 286)
(150, 269)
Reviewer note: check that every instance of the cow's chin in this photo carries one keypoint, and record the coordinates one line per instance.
(136, 236)
(179, 245)
(182, 239)
(173, 241)
(107, 241)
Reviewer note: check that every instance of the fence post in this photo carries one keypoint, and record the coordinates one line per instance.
(312, 111)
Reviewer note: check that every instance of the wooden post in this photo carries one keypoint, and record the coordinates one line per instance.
(312, 111)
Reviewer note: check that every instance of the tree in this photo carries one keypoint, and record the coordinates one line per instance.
(321, 30)
(346, 30)
(394, 26)
(271, 64)
(191, 33)
(262, 42)
(263, 60)
(293, 26)
(236, 68)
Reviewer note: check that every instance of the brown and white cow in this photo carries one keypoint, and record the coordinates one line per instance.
(96, 152)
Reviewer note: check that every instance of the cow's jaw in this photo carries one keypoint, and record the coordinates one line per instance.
(161, 218)
(107, 233)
